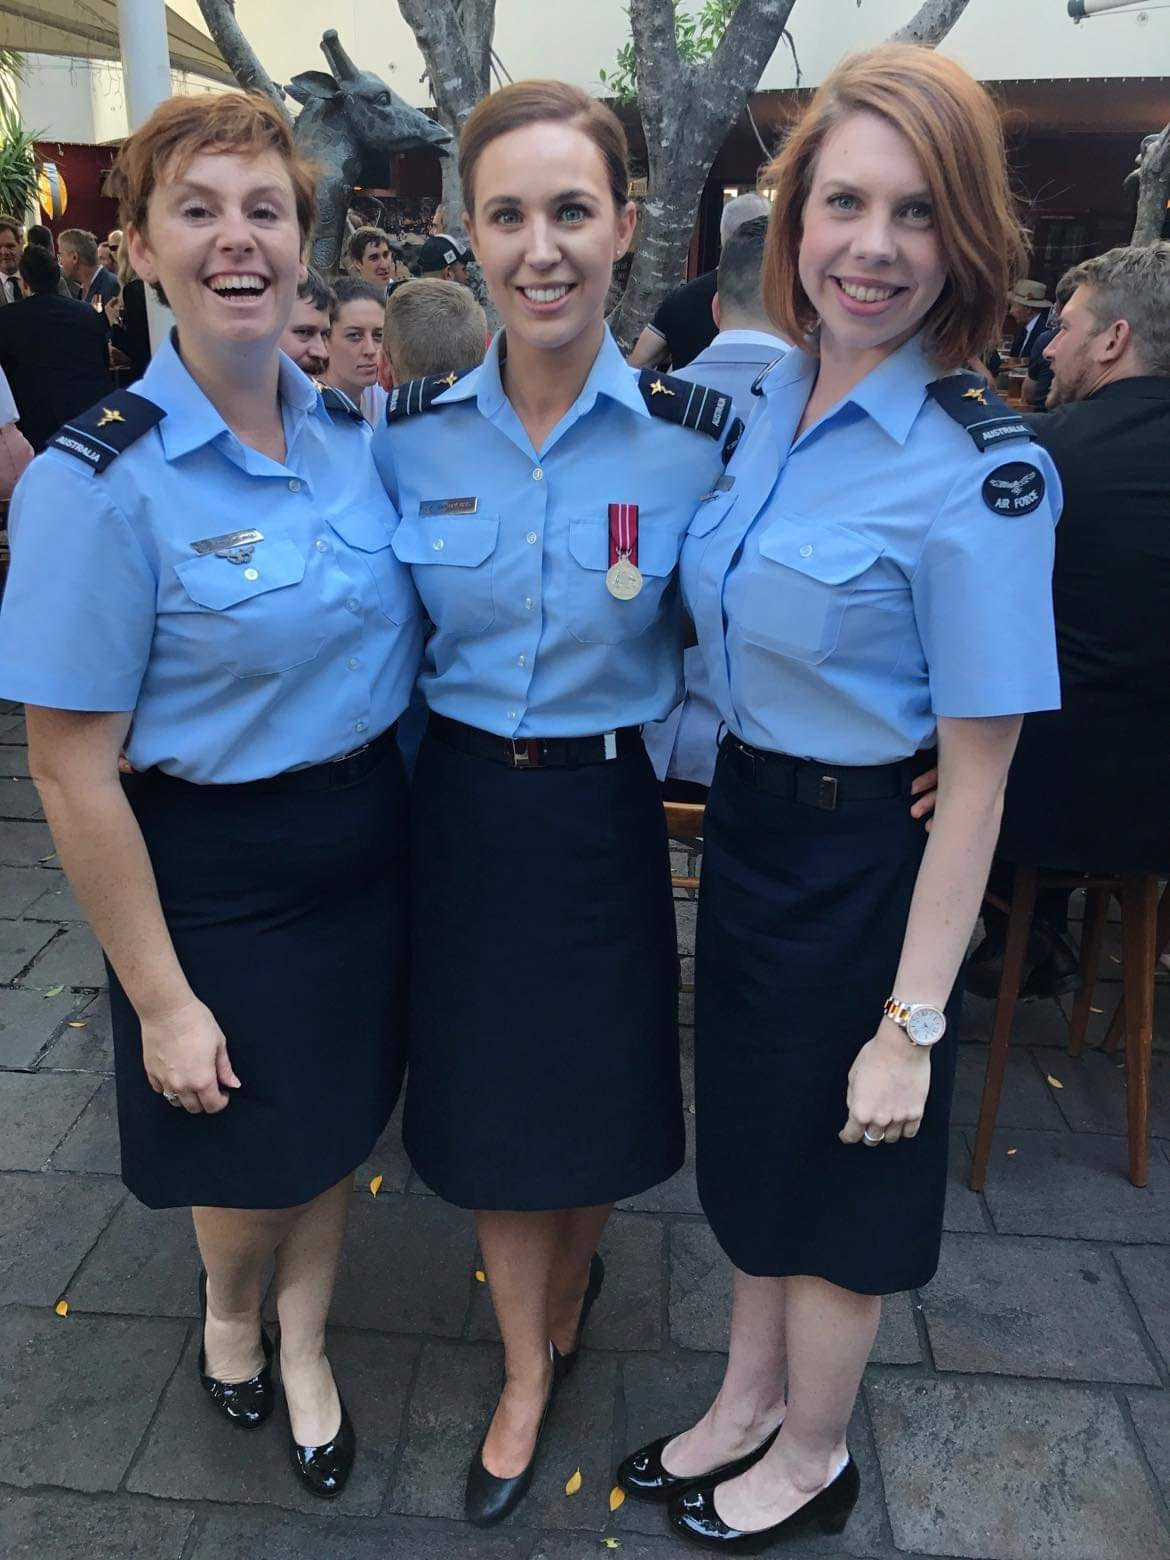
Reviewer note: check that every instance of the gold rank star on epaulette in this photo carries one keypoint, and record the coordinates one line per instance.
(99, 435)
(679, 401)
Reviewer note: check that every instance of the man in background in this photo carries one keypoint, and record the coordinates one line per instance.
(432, 326)
(442, 257)
(1028, 307)
(11, 243)
(78, 252)
(306, 336)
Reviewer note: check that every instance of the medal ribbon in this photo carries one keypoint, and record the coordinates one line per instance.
(623, 532)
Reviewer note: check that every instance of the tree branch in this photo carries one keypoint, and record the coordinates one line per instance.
(458, 73)
(660, 70)
(1153, 190)
(238, 52)
(931, 23)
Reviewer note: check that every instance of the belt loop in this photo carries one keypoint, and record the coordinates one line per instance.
(827, 793)
(609, 739)
(521, 752)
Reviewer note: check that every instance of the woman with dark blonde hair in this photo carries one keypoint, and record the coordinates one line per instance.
(874, 580)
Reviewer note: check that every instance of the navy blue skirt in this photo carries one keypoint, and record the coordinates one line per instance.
(544, 1068)
(802, 914)
(288, 915)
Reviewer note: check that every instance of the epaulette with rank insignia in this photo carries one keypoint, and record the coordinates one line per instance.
(974, 405)
(679, 401)
(100, 434)
(338, 404)
(418, 395)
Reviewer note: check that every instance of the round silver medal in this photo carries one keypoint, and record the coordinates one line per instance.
(623, 580)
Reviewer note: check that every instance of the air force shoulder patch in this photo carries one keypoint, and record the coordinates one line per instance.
(1015, 489)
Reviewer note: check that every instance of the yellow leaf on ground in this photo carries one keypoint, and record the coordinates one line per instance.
(62, 1308)
(1055, 1082)
(375, 1186)
(54, 991)
(480, 1276)
(574, 1483)
(1012, 1151)
(52, 856)
(611, 1543)
(78, 1023)
(616, 1497)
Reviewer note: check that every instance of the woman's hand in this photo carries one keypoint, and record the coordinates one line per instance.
(185, 1053)
(925, 788)
(888, 1085)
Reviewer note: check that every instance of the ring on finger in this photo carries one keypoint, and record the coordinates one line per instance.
(873, 1141)
(171, 1099)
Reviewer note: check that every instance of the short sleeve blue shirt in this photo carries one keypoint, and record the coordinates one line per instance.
(238, 662)
(856, 583)
(509, 547)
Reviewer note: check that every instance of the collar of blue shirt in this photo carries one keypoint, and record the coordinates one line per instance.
(610, 375)
(891, 394)
(191, 420)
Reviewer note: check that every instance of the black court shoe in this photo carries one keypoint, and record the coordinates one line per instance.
(488, 1499)
(564, 1364)
(324, 1470)
(693, 1516)
(244, 1403)
(642, 1475)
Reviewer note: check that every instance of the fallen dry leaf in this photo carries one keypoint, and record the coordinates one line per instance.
(1055, 1082)
(574, 1484)
(1096, 1010)
(480, 1276)
(52, 856)
(78, 1023)
(375, 1186)
(616, 1497)
(54, 991)
(610, 1543)
(62, 1308)
(1012, 1151)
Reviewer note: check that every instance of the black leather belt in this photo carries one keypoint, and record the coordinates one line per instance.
(534, 752)
(346, 770)
(825, 786)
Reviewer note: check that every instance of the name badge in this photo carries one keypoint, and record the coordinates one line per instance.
(724, 485)
(448, 506)
(231, 542)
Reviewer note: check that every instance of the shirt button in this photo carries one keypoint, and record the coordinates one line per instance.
(530, 538)
(359, 725)
(806, 551)
(251, 574)
(538, 475)
(322, 544)
(438, 544)
(353, 605)
(353, 663)
(511, 714)
(528, 603)
(520, 661)
(293, 485)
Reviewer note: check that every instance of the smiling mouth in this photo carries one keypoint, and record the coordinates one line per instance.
(237, 284)
(548, 294)
(862, 292)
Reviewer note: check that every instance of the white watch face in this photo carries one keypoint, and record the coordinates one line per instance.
(926, 1025)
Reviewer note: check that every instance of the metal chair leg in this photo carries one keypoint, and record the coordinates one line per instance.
(1092, 936)
(1015, 950)
(1139, 918)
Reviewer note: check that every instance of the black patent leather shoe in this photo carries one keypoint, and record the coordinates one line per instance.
(244, 1403)
(325, 1470)
(642, 1475)
(488, 1499)
(693, 1516)
(564, 1364)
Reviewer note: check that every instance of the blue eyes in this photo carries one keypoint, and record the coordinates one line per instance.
(918, 212)
(571, 215)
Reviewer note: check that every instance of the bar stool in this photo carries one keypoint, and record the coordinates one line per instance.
(684, 826)
(1145, 927)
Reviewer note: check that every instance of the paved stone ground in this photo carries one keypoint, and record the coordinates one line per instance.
(1017, 1407)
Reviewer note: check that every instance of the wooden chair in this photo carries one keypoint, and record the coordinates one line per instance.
(1145, 929)
(684, 826)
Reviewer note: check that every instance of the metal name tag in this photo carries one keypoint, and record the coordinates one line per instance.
(723, 485)
(228, 543)
(448, 506)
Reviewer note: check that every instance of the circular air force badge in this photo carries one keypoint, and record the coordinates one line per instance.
(1016, 489)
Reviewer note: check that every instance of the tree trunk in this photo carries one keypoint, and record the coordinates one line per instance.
(220, 16)
(1153, 191)
(933, 21)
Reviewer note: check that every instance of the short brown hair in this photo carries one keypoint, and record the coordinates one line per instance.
(83, 244)
(954, 129)
(433, 327)
(14, 226)
(183, 127)
(1131, 283)
(361, 240)
(540, 102)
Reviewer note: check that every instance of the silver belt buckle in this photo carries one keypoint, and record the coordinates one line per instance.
(343, 757)
(521, 752)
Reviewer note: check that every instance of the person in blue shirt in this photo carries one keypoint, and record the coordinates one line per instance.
(544, 498)
(875, 580)
(202, 576)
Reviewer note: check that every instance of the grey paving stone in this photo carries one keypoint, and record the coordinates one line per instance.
(74, 958)
(388, 1159)
(1093, 1096)
(1151, 1416)
(1034, 1023)
(897, 1338)
(24, 844)
(49, 1223)
(21, 887)
(574, 1546)
(192, 1454)
(700, 1287)
(964, 1208)
(407, 1266)
(13, 758)
(456, 1387)
(77, 1393)
(20, 942)
(18, 798)
(1146, 1271)
(1011, 1471)
(686, 913)
(245, 1535)
(1026, 1102)
(37, 1110)
(1075, 1185)
(991, 1309)
(88, 1048)
(628, 1312)
(58, 1525)
(58, 902)
(28, 1020)
(145, 1264)
(92, 1145)
(1108, 994)
(678, 1195)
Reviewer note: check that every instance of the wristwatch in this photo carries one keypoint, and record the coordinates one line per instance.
(924, 1025)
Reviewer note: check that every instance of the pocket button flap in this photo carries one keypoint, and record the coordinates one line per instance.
(461, 540)
(217, 583)
(831, 556)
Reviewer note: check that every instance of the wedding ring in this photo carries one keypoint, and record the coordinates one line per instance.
(171, 1099)
(873, 1141)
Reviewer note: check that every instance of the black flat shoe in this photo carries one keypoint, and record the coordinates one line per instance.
(564, 1364)
(693, 1516)
(325, 1470)
(244, 1403)
(488, 1499)
(642, 1475)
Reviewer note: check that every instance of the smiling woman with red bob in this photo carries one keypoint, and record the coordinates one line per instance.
(202, 575)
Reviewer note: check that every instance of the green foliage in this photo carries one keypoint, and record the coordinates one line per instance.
(18, 168)
(699, 33)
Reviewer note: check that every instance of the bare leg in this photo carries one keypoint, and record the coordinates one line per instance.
(519, 1250)
(306, 1266)
(236, 1245)
(829, 1332)
(579, 1231)
(750, 1401)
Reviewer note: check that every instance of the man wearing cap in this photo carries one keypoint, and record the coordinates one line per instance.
(1030, 304)
(444, 257)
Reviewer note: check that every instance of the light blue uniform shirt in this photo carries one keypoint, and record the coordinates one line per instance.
(509, 546)
(856, 584)
(235, 670)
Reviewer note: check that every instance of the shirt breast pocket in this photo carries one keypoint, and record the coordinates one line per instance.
(367, 534)
(594, 616)
(259, 622)
(451, 557)
(798, 591)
